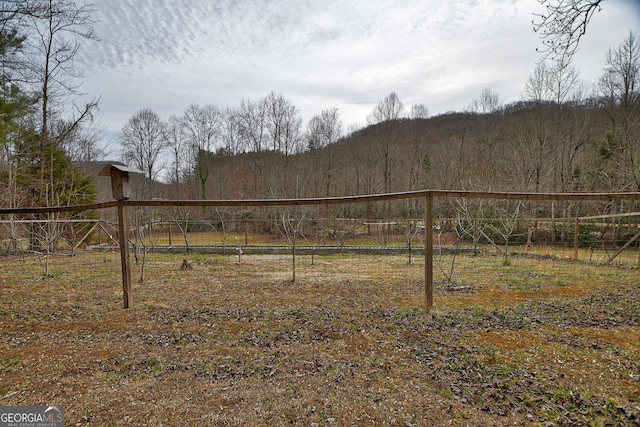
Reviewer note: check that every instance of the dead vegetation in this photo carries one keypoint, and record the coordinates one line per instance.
(240, 344)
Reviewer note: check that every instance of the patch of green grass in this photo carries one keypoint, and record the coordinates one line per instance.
(7, 312)
(8, 364)
(407, 312)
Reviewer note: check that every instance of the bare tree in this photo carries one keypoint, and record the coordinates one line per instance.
(82, 142)
(283, 123)
(202, 127)
(534, 136)
(620, 89)
(508, 219)
(315, 133)
(230, 132)
(252, 124)
(563, 79)
(389, 109)
(620, 83)
(419, 111)
(568, 124)
(142, 142)
(536, 87)
(487, 154)
(415, 162)
(290, 224)
(58, 27)
(323, 130)
(386, 114)
(411, 231)
(487, 102)
(283, 127)
(176, 142)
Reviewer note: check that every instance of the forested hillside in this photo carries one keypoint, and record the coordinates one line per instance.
(528, 146)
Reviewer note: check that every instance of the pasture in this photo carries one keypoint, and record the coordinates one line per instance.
(536, 341)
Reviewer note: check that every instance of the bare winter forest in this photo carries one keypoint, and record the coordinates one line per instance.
(527, 146)
(566, 137)
(579, 145)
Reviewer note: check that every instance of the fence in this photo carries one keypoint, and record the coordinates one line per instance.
(455, 240)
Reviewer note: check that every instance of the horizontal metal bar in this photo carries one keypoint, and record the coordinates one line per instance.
(331, 200)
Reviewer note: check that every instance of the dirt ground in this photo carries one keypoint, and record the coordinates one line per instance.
(240, 344)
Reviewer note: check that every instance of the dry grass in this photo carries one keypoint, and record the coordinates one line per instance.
(532, 343)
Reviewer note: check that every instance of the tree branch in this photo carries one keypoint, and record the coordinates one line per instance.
(562, 26)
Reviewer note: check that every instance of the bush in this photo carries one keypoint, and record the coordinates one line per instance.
(624, 238)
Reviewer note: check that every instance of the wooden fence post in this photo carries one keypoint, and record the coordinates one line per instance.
(121, 191)
(123, 234)
(428, 252)
(576, 239)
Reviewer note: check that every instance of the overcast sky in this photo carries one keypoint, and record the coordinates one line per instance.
(348, 54)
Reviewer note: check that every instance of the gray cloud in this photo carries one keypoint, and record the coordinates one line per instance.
(165, 55)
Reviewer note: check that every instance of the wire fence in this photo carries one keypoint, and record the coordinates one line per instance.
(452, 241)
